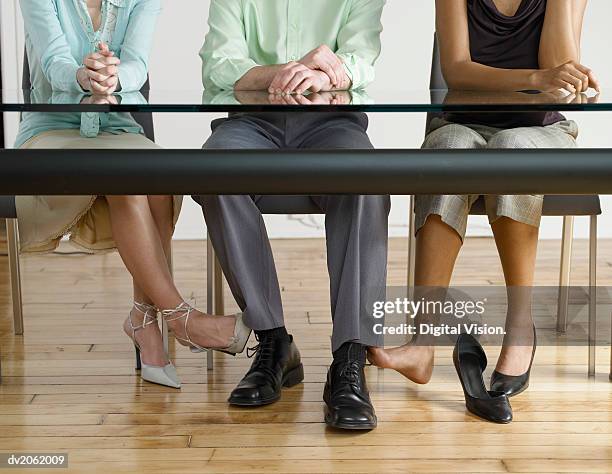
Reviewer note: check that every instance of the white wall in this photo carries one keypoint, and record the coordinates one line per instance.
(404, 63)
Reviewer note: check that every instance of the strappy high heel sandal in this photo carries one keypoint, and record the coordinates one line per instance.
(237, 342)
(165, 375)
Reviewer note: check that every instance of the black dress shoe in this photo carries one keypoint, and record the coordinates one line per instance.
(512, 385)
(277, 364)
(347, 401)
(470, 362)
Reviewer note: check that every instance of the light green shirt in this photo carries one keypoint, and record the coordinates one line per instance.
(248, 33)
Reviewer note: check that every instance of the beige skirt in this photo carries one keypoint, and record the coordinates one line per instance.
(45, 220)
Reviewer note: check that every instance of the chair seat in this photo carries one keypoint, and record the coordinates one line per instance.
(557, 206)
(287, 205)
(7, 207)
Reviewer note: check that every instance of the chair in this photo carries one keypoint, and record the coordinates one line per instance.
(8, 212)
(567, 207)
(214, 274)
(8, 205)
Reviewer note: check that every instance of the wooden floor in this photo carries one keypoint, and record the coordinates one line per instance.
(69, 384)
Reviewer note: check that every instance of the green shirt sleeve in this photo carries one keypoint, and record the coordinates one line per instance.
(359, 41)
(225, 54)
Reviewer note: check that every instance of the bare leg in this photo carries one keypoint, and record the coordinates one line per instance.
(162, 210)
(150, 339)
(142, 250)
(437, 248)
(517, 245)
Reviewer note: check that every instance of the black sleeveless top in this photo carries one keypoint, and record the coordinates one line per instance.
(506, 42)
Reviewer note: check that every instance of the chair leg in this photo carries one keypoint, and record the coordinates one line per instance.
(210, 294)
(592, 294)
(411, 246)
(218, 282)
(12, 232)
(564, 273)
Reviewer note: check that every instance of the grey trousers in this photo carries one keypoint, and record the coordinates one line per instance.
(356, 226)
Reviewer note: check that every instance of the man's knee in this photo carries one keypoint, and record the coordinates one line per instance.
(357, 204)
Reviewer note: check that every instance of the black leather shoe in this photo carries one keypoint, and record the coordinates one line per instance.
(277, 364)
(347, 401)
(470, 362)
(512, 385)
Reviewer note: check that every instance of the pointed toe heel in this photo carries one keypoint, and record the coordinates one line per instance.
(165, 375)
(238, 342)
(470, 362)
(242, 333)
(513, 385)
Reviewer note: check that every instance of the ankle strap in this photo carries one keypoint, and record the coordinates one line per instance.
(145, 308)
(183, 310)
(148, 311)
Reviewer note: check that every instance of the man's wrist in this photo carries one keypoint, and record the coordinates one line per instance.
(327, 82)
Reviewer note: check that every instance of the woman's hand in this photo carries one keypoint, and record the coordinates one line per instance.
(100, 74)
(571, 76)
(99, 100)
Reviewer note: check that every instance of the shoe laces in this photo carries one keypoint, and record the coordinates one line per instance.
(351, 371)
(263, 353)
(264, 350)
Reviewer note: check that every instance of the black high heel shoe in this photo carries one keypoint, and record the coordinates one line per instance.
(512, 385)
(470, 362)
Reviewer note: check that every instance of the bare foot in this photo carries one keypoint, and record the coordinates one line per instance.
(149, 340)
(413, 362)
(211, 332)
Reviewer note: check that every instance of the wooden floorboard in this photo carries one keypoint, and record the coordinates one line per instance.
(69, 384)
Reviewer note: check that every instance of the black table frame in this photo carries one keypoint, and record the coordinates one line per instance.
(303, 172)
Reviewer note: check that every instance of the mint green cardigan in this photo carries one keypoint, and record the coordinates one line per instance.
(59, 36)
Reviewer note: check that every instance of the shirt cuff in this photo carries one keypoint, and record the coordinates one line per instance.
(225, 75)
(360, 74)
(130, 77)
(71, 83)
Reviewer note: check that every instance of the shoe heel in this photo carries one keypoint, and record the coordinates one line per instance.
(294, 377)
(138, 361)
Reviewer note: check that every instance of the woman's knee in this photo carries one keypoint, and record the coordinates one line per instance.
(454, 136)
(127, 201)
(162, 209)
(161, 204)
(512, 138)
(435, 223)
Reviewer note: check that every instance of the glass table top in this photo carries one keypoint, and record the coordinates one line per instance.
(371, 100)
